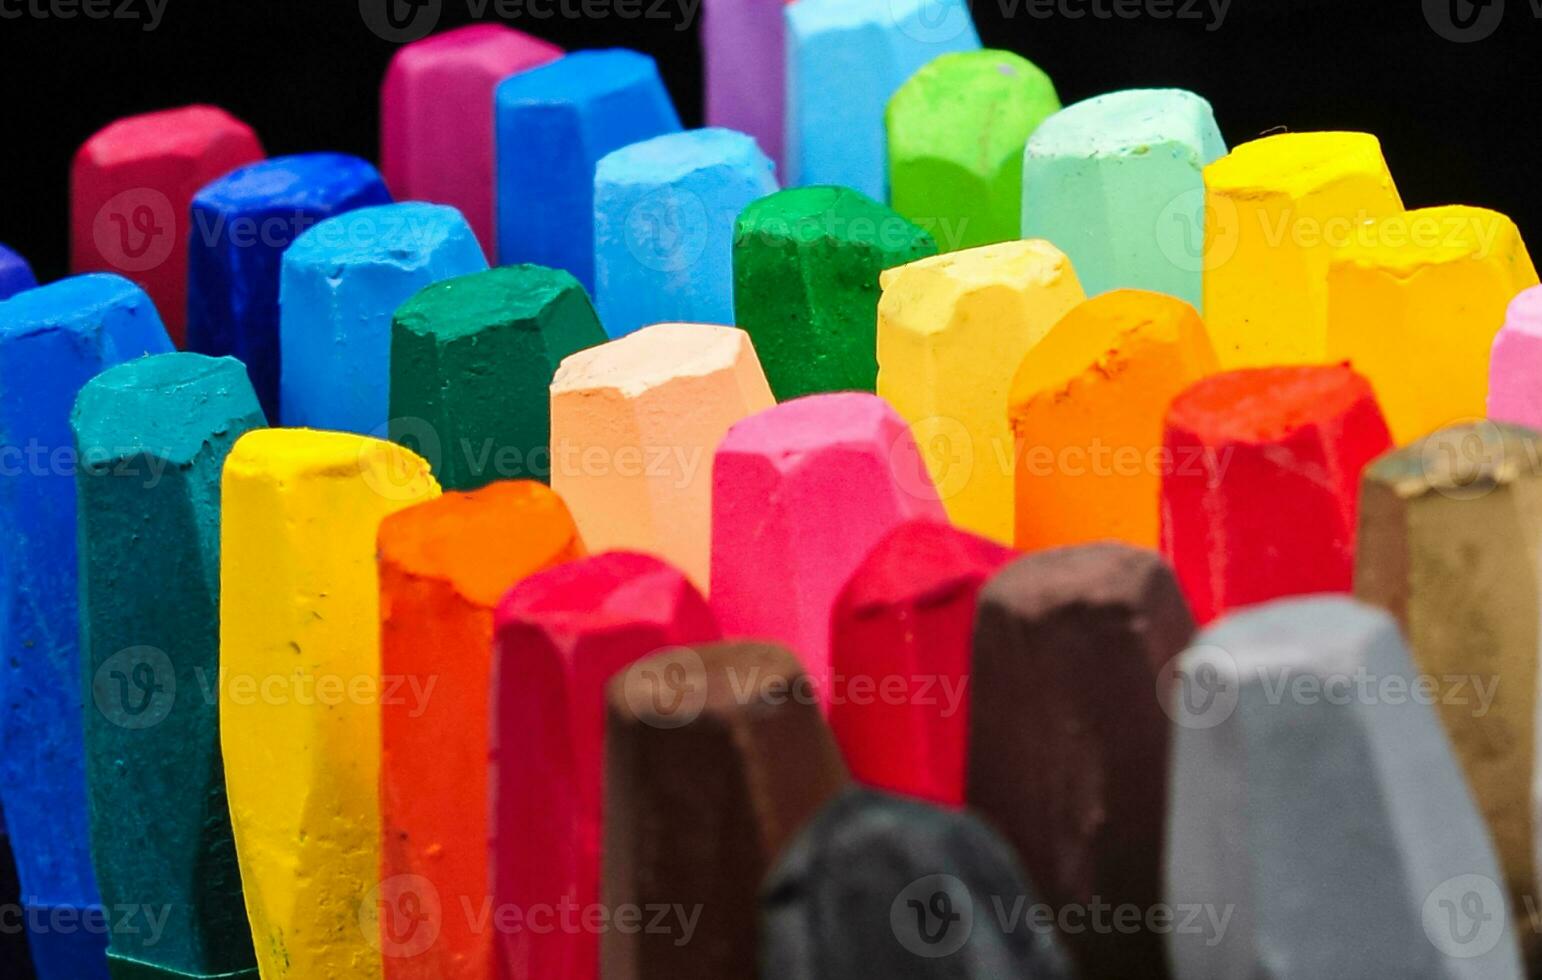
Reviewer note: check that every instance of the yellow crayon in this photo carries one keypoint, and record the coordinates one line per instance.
(300, 688)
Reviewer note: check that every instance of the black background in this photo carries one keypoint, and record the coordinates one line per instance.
(1458, 121)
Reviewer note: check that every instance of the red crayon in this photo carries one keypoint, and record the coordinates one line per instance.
(900, 656)
(131, 187)
(1261, 494)
(561, 635)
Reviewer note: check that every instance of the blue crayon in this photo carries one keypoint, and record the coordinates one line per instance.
(53, 340)
(342, 280)
(241, 225)
(15, 273)
(664, 213)
(845, 58)
(553, 125)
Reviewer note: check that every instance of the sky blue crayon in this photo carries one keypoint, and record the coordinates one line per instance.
(844, 59)
(1117, 183)
(241, 225)
(15, 273)
(342, 280)
(664, 213)
(53, 340)
(553, 125)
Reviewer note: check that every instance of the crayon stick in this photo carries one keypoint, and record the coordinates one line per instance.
(1274, 208)
(952, 331)
(1067, 736)
(1416, 306)
(634, 425)
(1086, 411)
(444, 564)
(1261, 495)
(15, 273)
(300, 690)
(744, 68)
(664, 212)
(875, 885)
(845, 60)
(130, 187)
(53, 340)
(241, 225)
(341, 283)
(1117, 182)
(800, 494)
(152, 435)
(1516, 359)
(904, 621)
(562, 635)
(807, 263)
(472, 360)
(1327, 832)
(436, 117)
(554, 124)
(956, 131)
(1448, 544)
(715, 757)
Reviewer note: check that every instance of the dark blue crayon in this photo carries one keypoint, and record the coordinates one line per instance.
(15, 273)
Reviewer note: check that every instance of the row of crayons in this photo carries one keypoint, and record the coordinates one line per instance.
(576, 672)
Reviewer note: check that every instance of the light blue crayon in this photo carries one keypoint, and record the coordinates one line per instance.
(664, 213)
(553, 124)
(844, 59)
(1116, 182)
(342, 280)
(53, 339)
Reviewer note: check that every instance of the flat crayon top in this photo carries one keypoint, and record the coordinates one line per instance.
(1133, 122)
(1098, 575)
(487, 43)
(737, 681)
(974, 107)
(78, 304)
(481, 542)
(15, 274)
(1524, 315)
(1323, 634)
(1402, 244)
(186, 131)
(813, 423)
(838, 215)
(284, 457)
(578, 78)
(166, 406)
(821, 15)
(614, 589)
(668, 158)
(922, 563)
(303, 181)
(404, 235)
(1467, 459)
(1264, 405)
(1296, 164)
(466, 305)
(651, 358)
(920, 295)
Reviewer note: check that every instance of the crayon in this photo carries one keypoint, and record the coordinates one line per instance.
(634, 424)
(131, 185)
(300, 691)
(15, 273)
(744, 69)
(152, 435)
(340, 284)
(1516, 359)
(554, 124)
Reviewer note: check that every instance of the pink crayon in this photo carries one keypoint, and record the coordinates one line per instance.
(744, 50)
(436, 117)
(1514, 394)
(130, 188)
(800, 494)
